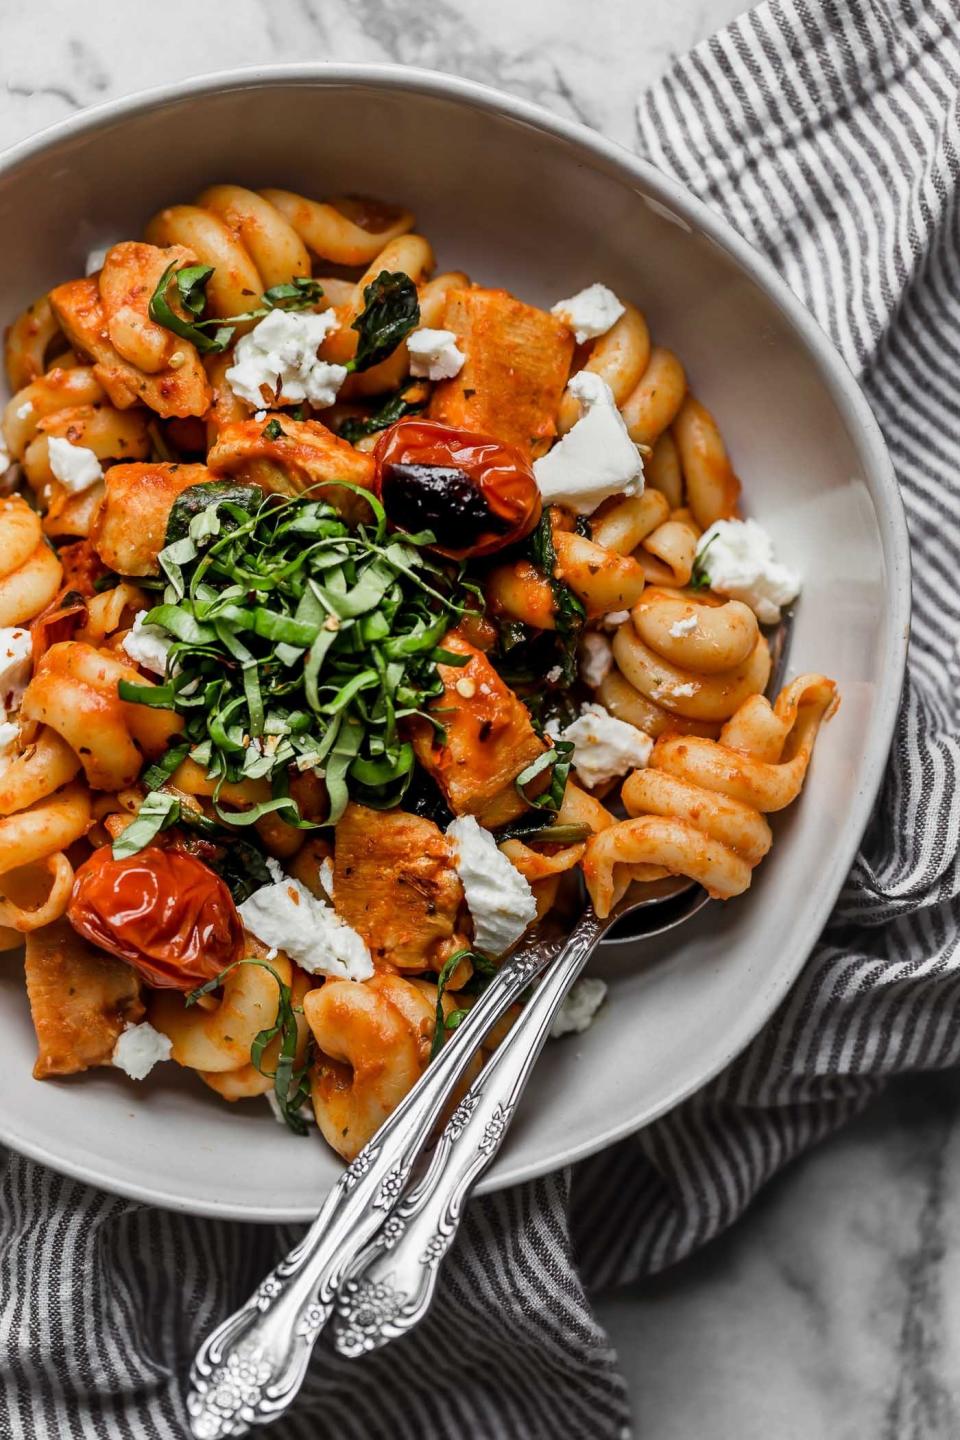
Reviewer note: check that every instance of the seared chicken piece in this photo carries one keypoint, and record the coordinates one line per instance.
(512, 382)
(489, 739)
(80, 998)
(394, 881)
(290, 456)
(129, 530)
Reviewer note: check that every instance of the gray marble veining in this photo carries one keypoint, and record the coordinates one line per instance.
(833, 1308)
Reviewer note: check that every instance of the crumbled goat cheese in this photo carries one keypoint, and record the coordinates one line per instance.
(686, 691)
(434, 354)
(76, 467)
(554, 675)
(285, 914)
(740, 563)
(6, 459)
(16, 659)
(686, 626)
(596, 458)
(605, 747)
(577, 1012)
(325, 875)
(275, 870)
(500, 901)
(148, 645)
(96, 258)
(596, 659)
(589, 313)
(139, 1048)
(615, 619)
(24, 411)
(305, 1111)
(277, 364)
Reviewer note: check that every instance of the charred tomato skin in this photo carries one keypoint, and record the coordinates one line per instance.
(474, 492)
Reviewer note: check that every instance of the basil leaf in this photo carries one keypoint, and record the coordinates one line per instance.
(699, 579)
(297, 295)
(391, 309)
(560, 757)
(190, 284)
(158, 812)
(392, 410)
(289, 1081)
(272, 430)
(196, 498)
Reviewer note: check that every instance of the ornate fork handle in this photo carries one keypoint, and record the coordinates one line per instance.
(248, 1370)
(391, 1283)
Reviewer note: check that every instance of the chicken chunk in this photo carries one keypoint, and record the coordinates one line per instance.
(394, 881)
(172, 389)
(488, 739)
(80, 998)
(290, 456)
(512, 382)
(129, 530)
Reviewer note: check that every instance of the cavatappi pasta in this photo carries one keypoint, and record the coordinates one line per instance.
(350, 610)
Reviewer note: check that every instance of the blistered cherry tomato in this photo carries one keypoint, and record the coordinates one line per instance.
(164, 912)
(475, 493)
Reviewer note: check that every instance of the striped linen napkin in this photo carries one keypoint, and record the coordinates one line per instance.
(828, 134)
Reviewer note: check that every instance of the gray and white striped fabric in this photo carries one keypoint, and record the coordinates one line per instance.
(828, 135)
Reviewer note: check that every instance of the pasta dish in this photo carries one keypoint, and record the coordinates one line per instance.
(353, 616)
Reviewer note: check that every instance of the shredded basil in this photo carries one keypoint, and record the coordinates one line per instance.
(391, 309)
(272, 430)
(699, 579)
(158, 811)
(569, 612)
(299, 635)
(560, 757)
(189, 287)
(290, 1081)
(392, 410)
(483, 972)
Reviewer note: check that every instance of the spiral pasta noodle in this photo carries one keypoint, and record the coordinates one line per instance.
(698, 809)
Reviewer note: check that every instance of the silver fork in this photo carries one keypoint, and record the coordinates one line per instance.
(249, 1369)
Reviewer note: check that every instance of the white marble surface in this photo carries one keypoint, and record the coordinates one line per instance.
(831, 1309)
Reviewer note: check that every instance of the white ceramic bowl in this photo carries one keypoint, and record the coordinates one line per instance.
(518, 198)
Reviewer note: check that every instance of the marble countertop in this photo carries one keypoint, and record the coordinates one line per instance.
(828, 1311)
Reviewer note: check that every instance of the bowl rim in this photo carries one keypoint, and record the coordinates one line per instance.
(833, 372)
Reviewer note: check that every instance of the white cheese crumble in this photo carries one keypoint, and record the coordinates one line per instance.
(277, 364)
(554, 675)
(16, 662)
(325, 875)
(605, 747)
(75, 466)
(6, 459)
(577, 1012)
(148, 645)
(589, 313)
(740, 563)
(596, 659)
(686, 626)
(24, 411)
(596, 458)
(305, 1111)
(286, 915)
(434, 354)
(139, 1048)
(500, 901)
(615, 619)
